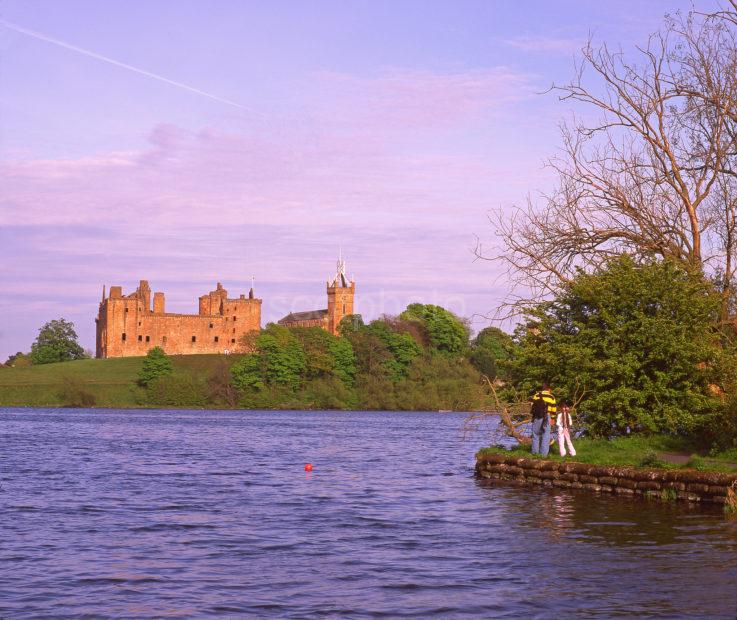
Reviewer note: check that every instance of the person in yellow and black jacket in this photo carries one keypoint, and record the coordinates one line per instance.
(543, 409)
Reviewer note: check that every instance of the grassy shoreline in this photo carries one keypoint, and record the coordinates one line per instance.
(111, 381)
(649, 452)
(113, 384)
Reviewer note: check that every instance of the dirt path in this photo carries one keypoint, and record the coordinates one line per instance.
(681, 458)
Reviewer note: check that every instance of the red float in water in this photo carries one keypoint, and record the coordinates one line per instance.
(308, 466)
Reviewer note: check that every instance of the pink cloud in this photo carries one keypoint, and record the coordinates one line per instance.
(367, 170)
(416, 99)
(545, 44)
(323, 169)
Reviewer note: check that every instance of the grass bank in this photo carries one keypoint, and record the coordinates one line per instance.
(654, 451)
(111, 381)
(205, 382)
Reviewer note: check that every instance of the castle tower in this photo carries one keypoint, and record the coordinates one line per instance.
(144, 294)
(340, 297)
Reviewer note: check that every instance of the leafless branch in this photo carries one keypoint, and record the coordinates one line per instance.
(649, 172)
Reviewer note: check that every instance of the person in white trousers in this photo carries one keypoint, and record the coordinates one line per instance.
(563, 422)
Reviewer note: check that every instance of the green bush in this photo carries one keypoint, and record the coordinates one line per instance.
(327, 393)
(156, 364)
(272, 397)
(177, 390)
(73, 393)
(282, 356)
(720, 430)
(388, 364)
(376, 392)
(489, 349)
(650, 459)
(697, 462)
(247, 373)
(448, 334)
(19, 360)
(437, 382)
(220, 386)
(637, 340)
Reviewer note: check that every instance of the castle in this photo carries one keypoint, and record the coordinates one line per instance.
(128, 326)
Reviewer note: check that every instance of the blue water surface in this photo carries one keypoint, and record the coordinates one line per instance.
(179, 514)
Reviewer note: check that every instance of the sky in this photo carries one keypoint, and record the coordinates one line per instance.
(195, 142)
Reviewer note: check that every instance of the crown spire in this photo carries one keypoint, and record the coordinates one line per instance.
(340, 277)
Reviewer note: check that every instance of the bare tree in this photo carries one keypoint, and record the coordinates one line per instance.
(722, 218)
(648, 170)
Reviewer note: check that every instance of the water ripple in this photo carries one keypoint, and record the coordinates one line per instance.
(193, 514)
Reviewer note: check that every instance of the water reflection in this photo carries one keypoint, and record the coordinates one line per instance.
(624, 556)
(614, 520)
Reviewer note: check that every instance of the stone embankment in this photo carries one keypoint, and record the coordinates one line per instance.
(681, 484)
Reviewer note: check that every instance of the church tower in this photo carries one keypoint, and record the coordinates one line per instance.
(340, 297)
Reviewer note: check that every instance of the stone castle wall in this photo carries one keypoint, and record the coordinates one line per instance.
(127, 326)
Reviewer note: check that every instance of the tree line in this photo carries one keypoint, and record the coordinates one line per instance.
(423, 359)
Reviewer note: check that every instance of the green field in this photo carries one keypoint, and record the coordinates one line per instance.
(111, 381)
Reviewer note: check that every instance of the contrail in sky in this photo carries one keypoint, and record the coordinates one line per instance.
(117, 63)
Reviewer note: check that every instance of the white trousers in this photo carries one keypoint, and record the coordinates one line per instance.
(564, 437)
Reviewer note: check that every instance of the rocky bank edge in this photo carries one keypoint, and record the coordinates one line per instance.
(682, 484)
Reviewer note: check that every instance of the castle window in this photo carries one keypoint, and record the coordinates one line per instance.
(123, 338)
(232, 340)
(235, 318)
(343, 308)
(148, 338)
(140, 338)
(210, 325)
(234, 330)
(126, 309)
(163, 340)
(194, 338)
(139, 323)
(216, 338)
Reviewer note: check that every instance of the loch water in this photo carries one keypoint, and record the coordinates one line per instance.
(137, 514)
